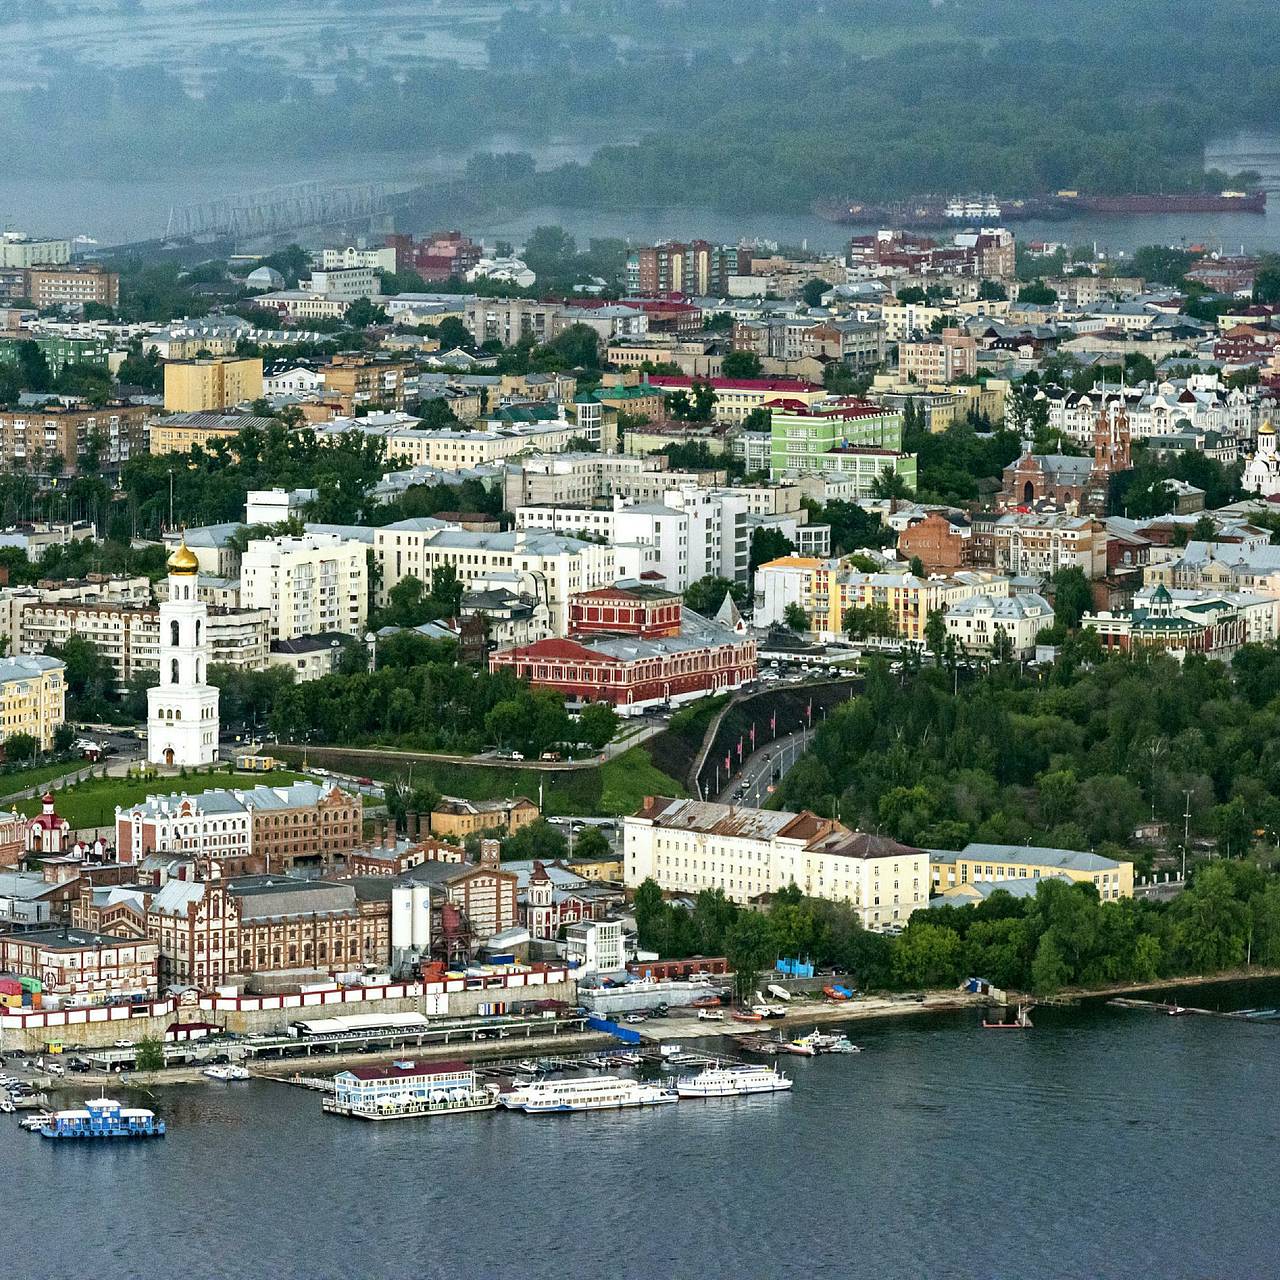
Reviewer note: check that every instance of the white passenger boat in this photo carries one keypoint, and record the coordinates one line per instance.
(230, 1072)
(732, 1081)
(590, 1093)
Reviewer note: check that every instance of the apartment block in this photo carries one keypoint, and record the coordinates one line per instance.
(73, 286)
(219, 382)
(51, 440)
(309, 584)
(32, 697)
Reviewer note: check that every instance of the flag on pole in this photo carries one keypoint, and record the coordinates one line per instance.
(739, 748)
(809, 711)
(773, 724)
(753, 735)
(728, 762)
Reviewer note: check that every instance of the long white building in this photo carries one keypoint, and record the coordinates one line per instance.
(689, 845)
(694, 531)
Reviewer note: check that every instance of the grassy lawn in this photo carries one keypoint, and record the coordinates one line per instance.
(12, 783)
(92, 803)
(600, 790)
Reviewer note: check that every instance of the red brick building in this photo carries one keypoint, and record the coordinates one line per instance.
(643, 611)
(442, 255)
(632, 670)
(942, 542)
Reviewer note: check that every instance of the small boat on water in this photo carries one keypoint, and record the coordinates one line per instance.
(732, 1081)
(6, 1105)
(33, 1124)
(231, 1071)
(587, 1093)
(1181, 1011)
(1021, 1022)
(529, 1067)
(103, 1118)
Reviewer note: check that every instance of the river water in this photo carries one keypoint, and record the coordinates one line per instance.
(1102, 1143)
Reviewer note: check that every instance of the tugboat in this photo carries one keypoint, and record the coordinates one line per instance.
(103, 1118)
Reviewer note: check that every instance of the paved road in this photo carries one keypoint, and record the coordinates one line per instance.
(771, 763)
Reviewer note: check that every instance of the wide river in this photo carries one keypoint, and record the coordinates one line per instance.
(1103, 1143)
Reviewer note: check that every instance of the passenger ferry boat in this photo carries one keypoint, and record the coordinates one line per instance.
(732, 1081)
(586, 1093)
(406, 1089)
(103, 1118)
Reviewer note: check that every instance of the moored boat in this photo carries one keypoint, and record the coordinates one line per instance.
(231, 1071)
(731, 1081)
(103, 1118)
(1021, 1022)
(590, 1093)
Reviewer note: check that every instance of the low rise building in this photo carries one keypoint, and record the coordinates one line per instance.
(826, 590)
(978, 621)
(940, 357)
(179, 432)
(456, 818)
(75, 967)
(52, 441)
(73, 286)
(981, 863)
(1035, 545)
(595, 946)
(1210, 626)
(633, 672)
(211, 929)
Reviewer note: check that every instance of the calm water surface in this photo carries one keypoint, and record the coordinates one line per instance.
(1103, 1143)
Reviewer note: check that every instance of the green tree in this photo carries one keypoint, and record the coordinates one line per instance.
(814, 291)
(1072, 596)
(537, 839)
(21, 746)
(452, 333)
(1037, 293)
(740, 364)
(794, 617)
(935, 634)
(150, 1054)
(890, 484)
(992, 291)
(927, 955)
(597, 723)
(768, 544)
(706, 595)
(749, 947)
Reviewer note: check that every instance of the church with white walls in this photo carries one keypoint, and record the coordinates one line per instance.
(1262, 472)
(182, 710)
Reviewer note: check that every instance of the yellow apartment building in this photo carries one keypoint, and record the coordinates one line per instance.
(32, 697)
(218, 382)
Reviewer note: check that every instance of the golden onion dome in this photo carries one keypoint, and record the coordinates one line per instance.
(1266, 429)
(183, 560)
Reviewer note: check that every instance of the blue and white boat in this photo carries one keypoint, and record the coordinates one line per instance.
(103, 1118)
(589, 1093)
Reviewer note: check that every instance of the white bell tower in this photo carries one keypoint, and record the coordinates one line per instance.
(182, 711)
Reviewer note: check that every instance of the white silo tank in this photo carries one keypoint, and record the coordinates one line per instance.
(402, 906)
(421, 931)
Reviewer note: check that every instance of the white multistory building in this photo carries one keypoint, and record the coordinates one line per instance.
(311, 584)
(182, 711)
(690, 845)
